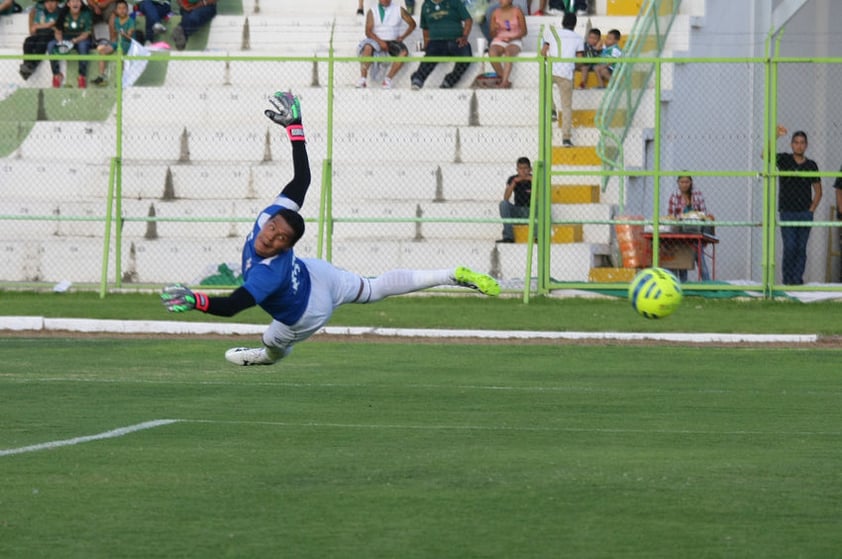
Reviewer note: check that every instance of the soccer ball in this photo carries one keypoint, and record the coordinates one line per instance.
(655, 293)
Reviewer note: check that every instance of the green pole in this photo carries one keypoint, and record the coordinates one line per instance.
(656, 207)
(118, 172)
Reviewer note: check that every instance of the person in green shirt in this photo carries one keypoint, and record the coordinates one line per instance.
(73, 31)
(42, 23)
(446, 26)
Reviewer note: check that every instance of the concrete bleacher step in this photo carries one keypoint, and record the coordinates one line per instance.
(575, 193)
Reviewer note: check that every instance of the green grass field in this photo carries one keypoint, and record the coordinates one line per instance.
(353, 449)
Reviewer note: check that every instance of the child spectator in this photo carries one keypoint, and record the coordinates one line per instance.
(611, 50)
(73, 31)
(593, 49)
(102, 10)
(122, 29)
(42, 23)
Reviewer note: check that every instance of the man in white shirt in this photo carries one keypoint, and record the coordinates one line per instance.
(565, 43)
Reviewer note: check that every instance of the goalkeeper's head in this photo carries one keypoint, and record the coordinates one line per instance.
(279, 233)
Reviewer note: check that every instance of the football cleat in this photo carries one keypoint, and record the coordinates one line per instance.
(474, 280)
(248, 356)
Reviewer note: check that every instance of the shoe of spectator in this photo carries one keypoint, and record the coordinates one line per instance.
(179, 38)
(554, 12)
(360, 12)
(416, 86)
(159, 28)
(387, 83)
(99, 81)
(504, 241)
(554, 115)
(582, 13)
(567, 144)
(361, 83)
(446, 85)
(537, 13)
(82, 82)
(25, 71)
(57, 79)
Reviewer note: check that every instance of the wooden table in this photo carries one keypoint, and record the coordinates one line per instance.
(702, 243)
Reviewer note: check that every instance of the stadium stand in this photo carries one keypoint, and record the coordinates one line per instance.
(189, 127)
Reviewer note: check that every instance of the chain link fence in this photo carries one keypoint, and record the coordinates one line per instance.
(161, 181)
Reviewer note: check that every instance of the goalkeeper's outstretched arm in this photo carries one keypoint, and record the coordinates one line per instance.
(178, 298)
(287, 113)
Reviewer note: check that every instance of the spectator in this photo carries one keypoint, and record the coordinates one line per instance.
(8, 7)
(446, 26)
(194, 14)
(42, 23)
(508, 27)
(122, 28)
(154, 11)
(611, 49)
(593, 49)
(102, 10)
(485, 26)
(798, 198)
(73, 31)
(519, 185)
(564, 44)
(684, 200)
(558, 7)
(385, 33)
(837, 185)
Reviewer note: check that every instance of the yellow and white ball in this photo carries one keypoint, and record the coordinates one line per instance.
(655, 293)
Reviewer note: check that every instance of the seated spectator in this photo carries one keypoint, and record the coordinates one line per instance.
(42, 23)
(685, 200)
(154, 11)
(558, 7)
(508, 27)
(122, 30)
(385, 34)
(485, 25)
(194, 14)
(73, 31)
(610, 50)
(593, 49)
(102, 10)
(9, 7)
(519, 185)
(446, 26)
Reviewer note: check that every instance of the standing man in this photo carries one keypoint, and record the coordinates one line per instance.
(798, 198)
(519, 185)
(446, 26)
(300, 294)
(564, 44)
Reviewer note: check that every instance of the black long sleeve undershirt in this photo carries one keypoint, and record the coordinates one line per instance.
(239, 300)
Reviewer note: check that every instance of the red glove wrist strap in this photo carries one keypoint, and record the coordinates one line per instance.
(295, 132)
(202, 301)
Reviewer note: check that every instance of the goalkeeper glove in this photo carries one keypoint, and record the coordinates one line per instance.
(287, 114)
(178, 298)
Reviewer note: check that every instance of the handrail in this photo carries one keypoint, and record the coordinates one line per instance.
(628, 84)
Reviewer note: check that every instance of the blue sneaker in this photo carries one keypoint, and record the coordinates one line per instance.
(474, 280)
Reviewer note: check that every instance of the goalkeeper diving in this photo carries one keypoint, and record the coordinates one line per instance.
(300, 294)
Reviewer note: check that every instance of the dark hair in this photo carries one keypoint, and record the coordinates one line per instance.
(569, 20)
(615, 33)
(595, 31)
(295, 221)
(798, 133)
(686, 177)
(524, 161)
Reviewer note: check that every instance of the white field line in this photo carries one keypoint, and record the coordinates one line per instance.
(119, 432)
(31, 323)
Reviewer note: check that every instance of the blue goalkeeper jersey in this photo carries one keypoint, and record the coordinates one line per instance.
(281, 284)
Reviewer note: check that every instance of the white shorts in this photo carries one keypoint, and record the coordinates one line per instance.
(330, 287)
